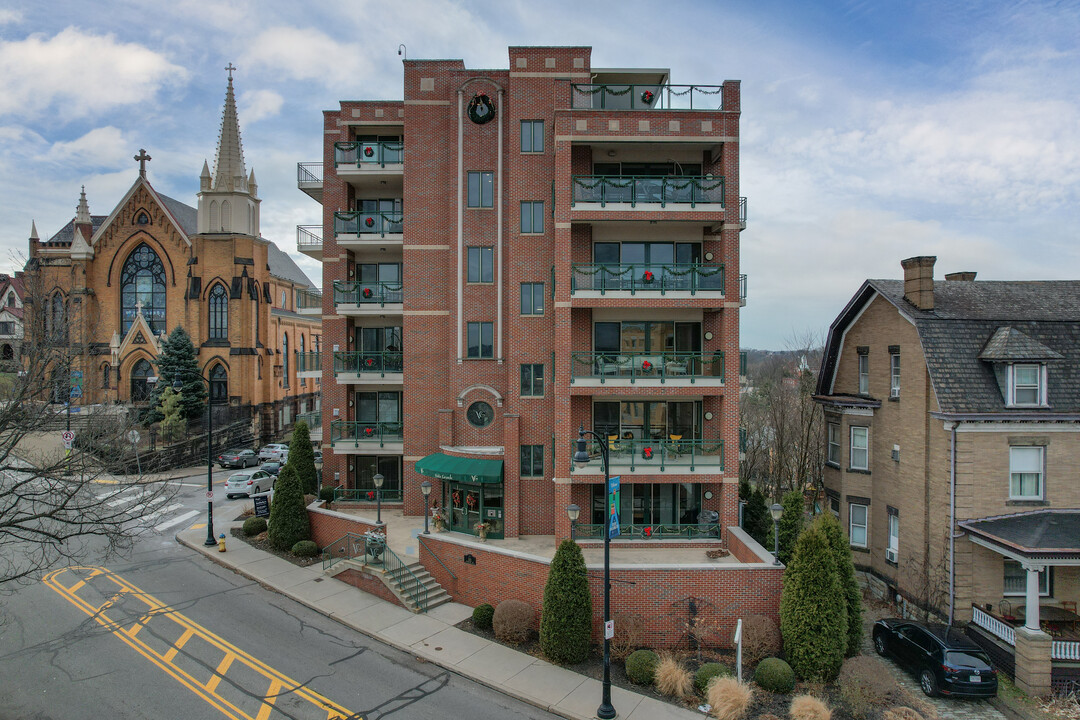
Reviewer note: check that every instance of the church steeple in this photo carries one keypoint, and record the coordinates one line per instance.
(84, 224)
(229, 171)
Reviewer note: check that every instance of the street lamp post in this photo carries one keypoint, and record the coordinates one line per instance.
(178, 386)
(776, 510)
(378, 479)
(606, 711)
(425, 487)
(572, 512)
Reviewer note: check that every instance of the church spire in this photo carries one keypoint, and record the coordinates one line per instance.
(229, 174)
(82, 212)
(33, 230)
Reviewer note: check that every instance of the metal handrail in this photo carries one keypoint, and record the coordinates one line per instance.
(412, 586)
(367, 223)
(742, 211)
(360, 362)
(313, 419)
(381, 432)
(309, 361)
(309, 235)
(309, 173)
(437, 559)
(650, 531)
(636, 366)
(360, 153)
(364, 494)
(348, 544)
(647, 277)
(660, 453)
(354, 292)
(653, 96)
(742, 290)
(675, 190)
(307, 299)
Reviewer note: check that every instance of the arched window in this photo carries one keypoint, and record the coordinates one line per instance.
(284, 301)
(285, 359)
(219, 313)
(11, 300)
(226, 216)
(257, 320)
(106, 375)
(57, 319)
(301, 344)
(142, 284)
(219, 385)
(140, 388)
(215, 223)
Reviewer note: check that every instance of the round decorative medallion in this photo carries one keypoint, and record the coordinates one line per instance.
(481, 109)
(480, 414)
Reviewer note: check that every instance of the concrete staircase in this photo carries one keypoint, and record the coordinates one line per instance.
(400, 582)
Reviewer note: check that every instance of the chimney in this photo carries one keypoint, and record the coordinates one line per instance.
(964, 276)
(919, 281)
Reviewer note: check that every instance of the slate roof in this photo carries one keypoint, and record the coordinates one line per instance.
(283, 266)
(1008, 319)
(1040, 533)
(66, 235)
(185, 215)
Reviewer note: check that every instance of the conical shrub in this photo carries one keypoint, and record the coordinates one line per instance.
(566, 615)
(813, 612)
(288, 516)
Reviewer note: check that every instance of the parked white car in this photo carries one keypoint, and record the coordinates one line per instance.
(273, 451)
(248, 482)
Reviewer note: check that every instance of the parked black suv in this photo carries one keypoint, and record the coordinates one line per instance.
(945, 661)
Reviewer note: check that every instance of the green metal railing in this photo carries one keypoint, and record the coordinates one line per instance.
(308, 362)
(647, 277)
(354, 292)
(313, 419)
(381, 153)
(742, 363)
(309, 173)
(376, 553)
(742, 290)
(446, 567)
(659, 453)
(373, 363)
(367, 223)
(684, 190)
(654, 531)
(661, 366)
(405, 579)
(365, 432)
(309, 299)
(365, 494)
(742, 211)
(654, 96)
(346, 547)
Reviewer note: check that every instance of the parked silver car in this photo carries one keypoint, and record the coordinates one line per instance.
(248, 482)
(273, 451)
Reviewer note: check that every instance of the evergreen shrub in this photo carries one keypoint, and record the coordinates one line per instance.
(482, 616)
(288, 515)
(641, 667)
(566, 613)
(813, 612)
(775, 675)
(706, 673)
(254, 526)
(305, 548)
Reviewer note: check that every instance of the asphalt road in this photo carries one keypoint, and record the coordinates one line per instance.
(165, 634)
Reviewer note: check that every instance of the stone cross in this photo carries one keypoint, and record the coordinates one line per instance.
(142, 157)
(230, 67)
(138, 307)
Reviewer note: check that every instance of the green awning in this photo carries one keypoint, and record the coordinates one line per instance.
(460, 469)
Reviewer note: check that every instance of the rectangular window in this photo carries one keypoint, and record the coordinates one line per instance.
(894, 375)
(1026, 473)
(481, 189)
(864, 374)
(532, 461)
(1015, 577)
(892, 552)
(481, 340)
(481, 265)
(860, 449)
(1027, 385)
(532, 216)
(834, 506)
(7, 328)
(532, 380)
(857, 524)
(532, 136)
(834, 444)
(532, 298)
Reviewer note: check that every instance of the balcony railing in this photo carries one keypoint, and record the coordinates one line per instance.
(308, 299)
(742, 290)
(742, 363)
(362, 223)
(646, 277)
(742, 212)
(313, 419)
(665, 453)
(373, 363)
(308, 236)
(308, 362)
(309, 173)
(679, 190)
(356, 432)
(620, 96)
(342, 494)
(647, 366)
(656, 531)
(352, 292)
(381, 153)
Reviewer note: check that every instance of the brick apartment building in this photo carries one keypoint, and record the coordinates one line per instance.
(114, 285)
(511, 254)
(953, 438)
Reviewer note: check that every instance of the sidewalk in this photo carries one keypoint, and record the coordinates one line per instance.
(432, 636)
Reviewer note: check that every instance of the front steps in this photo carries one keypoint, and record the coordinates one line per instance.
(399, 582)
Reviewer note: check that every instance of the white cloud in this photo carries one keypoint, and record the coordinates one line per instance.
(258, 104)
(10, 17)
(302, 53)
(78, 74)
(104, 147)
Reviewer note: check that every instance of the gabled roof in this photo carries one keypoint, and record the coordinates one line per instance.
(185, 215)
(160, 199)
(283, 266)
(66, 234)
(1008, 320)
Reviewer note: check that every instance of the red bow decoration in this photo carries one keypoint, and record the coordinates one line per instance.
(371, 495)
(370, 362)
(648, 531)
(647, 453)
(369, 221)
(369, 151)
(367, 293)
(649, 276)
(646, 97)
(646, 366)
(369, 431)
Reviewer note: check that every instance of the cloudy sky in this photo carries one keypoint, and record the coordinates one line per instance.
(872, 131)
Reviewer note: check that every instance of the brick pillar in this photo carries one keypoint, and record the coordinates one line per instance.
(511, 471)
(1033, 662)
(562, 499)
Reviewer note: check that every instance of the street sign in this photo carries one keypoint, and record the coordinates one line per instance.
(609, 629)
(68, 437)
(76, 391)
(133, 437)
(209, 494)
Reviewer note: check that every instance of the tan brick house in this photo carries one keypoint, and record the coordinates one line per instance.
(952, 416)
(116, 284)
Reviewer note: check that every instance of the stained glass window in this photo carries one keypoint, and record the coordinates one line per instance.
(142, 281)
(219, 313)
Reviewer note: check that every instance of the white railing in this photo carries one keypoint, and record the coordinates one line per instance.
(1064, 650)
(992, 625)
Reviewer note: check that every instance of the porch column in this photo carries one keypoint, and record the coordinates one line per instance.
(1031, 601)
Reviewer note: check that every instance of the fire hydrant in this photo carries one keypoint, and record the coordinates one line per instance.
(221, 543)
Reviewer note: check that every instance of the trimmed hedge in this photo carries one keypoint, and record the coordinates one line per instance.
(641, 667)
(775, 675)
(706, 673)
(813, 609)
(288, 515)
(326, 494)
(566, 613)
(254, 526)
(305, 548)
(482, 616)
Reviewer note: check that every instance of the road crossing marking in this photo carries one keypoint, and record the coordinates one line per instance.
(162, 511)
(104, 596)
(175, 521)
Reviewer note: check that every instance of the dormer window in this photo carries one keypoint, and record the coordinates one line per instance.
(1027, 384)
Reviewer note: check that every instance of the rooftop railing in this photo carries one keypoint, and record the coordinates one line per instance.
(676, 190)
(622, 96)
(636, 366)
(360, 153)
(367, 223)
(647, 277)
(354, 292)
(309, 173)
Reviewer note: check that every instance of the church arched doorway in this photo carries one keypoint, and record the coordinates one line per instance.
(140, 381)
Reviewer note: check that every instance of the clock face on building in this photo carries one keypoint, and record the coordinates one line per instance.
(480, 414)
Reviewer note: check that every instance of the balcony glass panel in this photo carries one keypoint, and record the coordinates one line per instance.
(368, 152)
(367, 293)
(309, 362)
(647, 366)
(646, 277)
(657, 455)
(686, 190)
(650, 96)
(364, 362)
(356, 432)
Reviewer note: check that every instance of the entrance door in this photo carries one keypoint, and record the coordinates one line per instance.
(470, 504)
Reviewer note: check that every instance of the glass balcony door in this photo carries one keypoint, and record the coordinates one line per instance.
(623, 265)
(378, 407)
(652, 504)
(387, 276)
(385, 214)
(379, 348)
(646, 420)
(364, 476)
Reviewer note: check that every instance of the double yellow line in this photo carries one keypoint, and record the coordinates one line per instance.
(96, 584)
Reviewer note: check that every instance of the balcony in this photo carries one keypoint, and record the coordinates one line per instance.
(309, 240)
(353, 297)
(654, 96)
(309, 178)
(653, 531)
(360, 229)
(645, 457)
(366, 438)
(314, 423)
(742, 291)
(309, 364)
(742, 213)
(367, 164)
(309, 302)
(628, 279)
(644, 369)
(358, 368)
(649, 193)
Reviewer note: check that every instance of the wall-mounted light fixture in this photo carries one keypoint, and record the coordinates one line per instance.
(709, 256)
(708, 336)
(708, 416)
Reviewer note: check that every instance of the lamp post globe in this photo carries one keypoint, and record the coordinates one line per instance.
(378, 480)
(572, 512)
(776, 510)
(425, 488)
